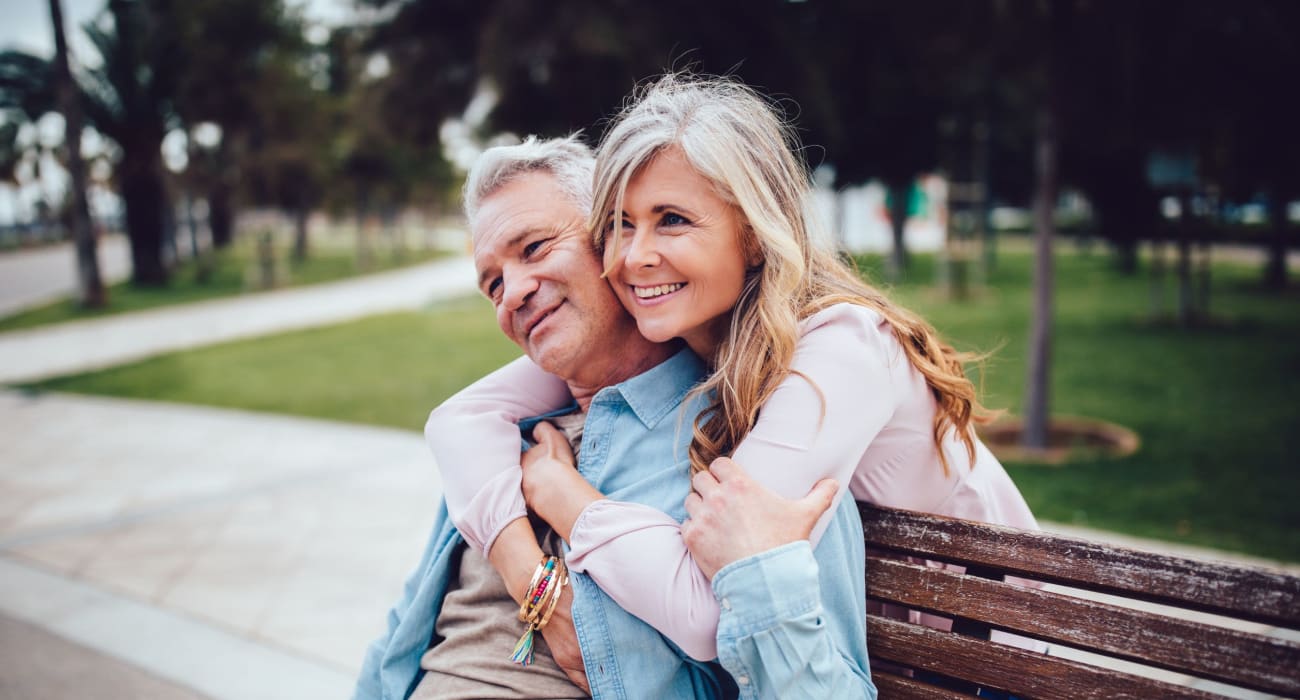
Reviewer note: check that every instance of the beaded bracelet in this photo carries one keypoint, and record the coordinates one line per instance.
(544, 593)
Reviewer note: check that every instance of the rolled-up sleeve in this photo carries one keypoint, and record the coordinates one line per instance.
(773, 634)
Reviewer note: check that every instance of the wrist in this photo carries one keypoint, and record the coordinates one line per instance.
(561, 506)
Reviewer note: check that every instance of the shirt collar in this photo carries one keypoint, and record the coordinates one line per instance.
(656, 392)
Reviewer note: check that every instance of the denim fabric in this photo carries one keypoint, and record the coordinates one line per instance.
(793, 620)
(634, 448)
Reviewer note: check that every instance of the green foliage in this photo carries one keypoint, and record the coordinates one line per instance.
(232, 272)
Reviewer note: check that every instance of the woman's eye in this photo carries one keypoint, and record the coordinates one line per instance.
(671, 219)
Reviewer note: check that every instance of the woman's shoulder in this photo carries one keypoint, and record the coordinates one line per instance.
(847, 316)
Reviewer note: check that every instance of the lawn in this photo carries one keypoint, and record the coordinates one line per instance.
(1215, 407)
(231, 272)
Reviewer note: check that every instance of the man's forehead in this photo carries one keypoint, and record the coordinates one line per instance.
(530, 205)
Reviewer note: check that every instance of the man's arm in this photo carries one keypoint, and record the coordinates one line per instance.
(515, 556)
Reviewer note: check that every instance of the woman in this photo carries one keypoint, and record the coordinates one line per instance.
(700, 213)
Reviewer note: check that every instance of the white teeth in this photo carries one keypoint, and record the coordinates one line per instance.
(652, 292)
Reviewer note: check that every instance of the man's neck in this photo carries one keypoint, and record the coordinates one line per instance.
(619, 369)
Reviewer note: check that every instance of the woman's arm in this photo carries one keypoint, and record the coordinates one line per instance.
(636, 553)
(475, 441)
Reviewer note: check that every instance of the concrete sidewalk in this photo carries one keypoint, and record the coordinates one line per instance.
(65, 348)
(234, 554)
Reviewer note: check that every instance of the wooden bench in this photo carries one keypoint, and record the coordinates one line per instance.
(1226, 624)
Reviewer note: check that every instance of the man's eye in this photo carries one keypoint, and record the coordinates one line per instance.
(493, 287)
(534, 247)
(671, 219)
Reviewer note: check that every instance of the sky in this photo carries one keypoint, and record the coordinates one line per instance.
(25, 25)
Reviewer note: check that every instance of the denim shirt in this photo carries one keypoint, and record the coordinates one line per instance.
(634, 448)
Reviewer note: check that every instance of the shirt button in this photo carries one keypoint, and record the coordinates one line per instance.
(743, 680)
(726, 603)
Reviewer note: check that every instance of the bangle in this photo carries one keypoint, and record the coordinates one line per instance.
(532, 586)
(560, 582)
(543, 593)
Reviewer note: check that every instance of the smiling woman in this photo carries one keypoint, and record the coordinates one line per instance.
(677, 265)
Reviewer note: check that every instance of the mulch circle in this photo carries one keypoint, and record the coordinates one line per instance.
(1069, 439)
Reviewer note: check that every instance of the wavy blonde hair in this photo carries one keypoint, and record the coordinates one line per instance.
(738, 140)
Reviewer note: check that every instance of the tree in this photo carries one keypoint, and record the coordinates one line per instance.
(90, 286)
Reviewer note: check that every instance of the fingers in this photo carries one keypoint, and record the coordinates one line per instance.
(821, 496)
(550, 444)
(704, 483)
(724, 468)
(547, 436)
(693, 504)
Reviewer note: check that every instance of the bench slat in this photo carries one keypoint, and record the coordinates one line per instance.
(1022, 673)
(1250, 594)
(1231, 656)
(895, 687)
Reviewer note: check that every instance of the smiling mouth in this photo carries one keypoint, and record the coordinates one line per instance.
(528, 332)
(657, 290)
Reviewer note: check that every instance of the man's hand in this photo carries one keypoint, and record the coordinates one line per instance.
(552, 486)
(562, 639)
(733, 517)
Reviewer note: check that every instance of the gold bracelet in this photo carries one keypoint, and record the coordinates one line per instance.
(549, 585)
(561, 580)
(532, 586)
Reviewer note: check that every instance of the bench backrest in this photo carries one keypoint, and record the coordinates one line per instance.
(1215, 623)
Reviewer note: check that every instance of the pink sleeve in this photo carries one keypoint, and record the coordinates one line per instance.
(475, 442)
(636, 553)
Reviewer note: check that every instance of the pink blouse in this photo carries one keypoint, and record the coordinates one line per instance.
(860, 414)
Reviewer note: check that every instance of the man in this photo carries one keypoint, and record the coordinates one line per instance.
(527, 206)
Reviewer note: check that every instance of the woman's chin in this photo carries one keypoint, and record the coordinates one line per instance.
(656, 333)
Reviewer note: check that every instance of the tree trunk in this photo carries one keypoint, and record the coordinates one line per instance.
(1037, 384)
(143, 196)
(300, 215)
(1157, 279)
(1186, 302)
(1126, 255)
(90, 285)
(220, 218)
(898, 195)
(1275, 268)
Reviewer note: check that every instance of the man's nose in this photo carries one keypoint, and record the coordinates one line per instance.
(518, 287)
(640, 249)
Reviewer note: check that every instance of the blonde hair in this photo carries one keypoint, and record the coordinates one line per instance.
(737, 139)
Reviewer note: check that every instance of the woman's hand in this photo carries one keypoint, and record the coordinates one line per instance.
(552, 486)
(733, 517)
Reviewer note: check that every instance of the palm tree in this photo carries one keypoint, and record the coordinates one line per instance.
(90, 286)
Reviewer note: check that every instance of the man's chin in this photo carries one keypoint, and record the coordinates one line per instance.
(555, 358)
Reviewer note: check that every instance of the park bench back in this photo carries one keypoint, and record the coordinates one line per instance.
(1228, 624)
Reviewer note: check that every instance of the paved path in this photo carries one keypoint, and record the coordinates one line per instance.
(239, 555)
(41, 275)
(50, 351)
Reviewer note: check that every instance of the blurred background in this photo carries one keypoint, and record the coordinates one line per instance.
(234, 279)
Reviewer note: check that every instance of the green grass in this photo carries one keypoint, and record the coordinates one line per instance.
(232, 272)
(386, 370)
(1215, 407)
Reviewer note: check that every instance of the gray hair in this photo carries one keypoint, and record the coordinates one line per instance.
(568, 159)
